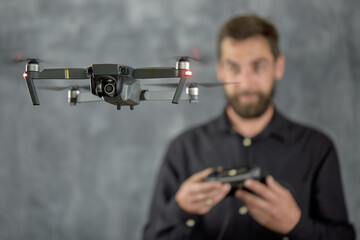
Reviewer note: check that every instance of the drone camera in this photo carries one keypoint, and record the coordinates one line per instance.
(110, 88)
(106, 87)
(107, 79)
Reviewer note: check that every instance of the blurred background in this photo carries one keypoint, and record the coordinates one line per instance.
(87, 172)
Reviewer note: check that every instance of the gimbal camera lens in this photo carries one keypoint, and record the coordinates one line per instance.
(110, 89)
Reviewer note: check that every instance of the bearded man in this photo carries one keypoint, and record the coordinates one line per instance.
(302, 198)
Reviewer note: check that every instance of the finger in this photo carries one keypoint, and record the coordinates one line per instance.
(225, 189)
(251, 200)
(275, 186)
(219, 193)
(260, 189)
(200, 176)
(213, 198)
(258, 214)
(219, 169)
(202, 197)
(204, 187)
(215, 193)
(200, 208)
(198, 198)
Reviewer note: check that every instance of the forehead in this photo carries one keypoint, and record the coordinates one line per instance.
(245, 50)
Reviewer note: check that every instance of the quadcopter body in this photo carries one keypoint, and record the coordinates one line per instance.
(118, 84)
(115, 83)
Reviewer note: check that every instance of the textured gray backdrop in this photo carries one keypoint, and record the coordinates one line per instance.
(87, 172)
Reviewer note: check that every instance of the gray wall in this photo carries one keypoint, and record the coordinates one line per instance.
(87, 172)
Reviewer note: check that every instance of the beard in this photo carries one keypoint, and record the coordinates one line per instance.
(254, 109)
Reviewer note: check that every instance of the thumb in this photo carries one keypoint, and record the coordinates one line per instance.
(200, 176)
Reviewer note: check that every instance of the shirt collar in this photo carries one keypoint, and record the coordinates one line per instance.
(275, 128)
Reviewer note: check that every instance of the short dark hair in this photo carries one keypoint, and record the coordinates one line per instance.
(243, 27)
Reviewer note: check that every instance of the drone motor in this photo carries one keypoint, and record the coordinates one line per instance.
(32, 66)
(72, 95)
(183, 63)
(193, 92)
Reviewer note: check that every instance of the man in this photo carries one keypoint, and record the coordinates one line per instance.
(302, 198)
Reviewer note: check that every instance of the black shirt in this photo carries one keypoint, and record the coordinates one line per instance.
(301, 159)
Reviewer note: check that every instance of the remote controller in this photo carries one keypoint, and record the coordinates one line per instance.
(236, 176)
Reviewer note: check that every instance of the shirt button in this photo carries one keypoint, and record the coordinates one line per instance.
(243, 210)
(285, 238)
(232, 172)
(247, 142)
(190, 222)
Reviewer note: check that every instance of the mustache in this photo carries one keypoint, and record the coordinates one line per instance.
(248, 93)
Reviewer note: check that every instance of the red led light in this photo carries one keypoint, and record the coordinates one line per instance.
(188, 73)
(25, 75)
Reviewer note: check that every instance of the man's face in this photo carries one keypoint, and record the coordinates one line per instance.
(252, 66)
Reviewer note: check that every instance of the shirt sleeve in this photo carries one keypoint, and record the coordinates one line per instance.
(328, 216)
(166, 219)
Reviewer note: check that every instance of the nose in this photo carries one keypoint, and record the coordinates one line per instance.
(246, 78)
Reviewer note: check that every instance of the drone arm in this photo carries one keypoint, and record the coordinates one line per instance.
(86, 97)
(147, 95)
(159, 72)
(142, 73)
(60, 73)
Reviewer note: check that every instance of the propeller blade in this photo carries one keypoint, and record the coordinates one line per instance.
(206, 84)
(18, 60)
(199, 56)
(214, 84)
(173, 85)
(193, 53)
(199, 59)
(21, 60)
(61, 88)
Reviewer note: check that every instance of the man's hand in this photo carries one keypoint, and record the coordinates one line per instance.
(274, 208)
(197, 197)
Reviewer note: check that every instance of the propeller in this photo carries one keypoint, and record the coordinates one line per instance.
(19, 58)
(192, 84)
(193, 54)
(61, 88)
(202, 60)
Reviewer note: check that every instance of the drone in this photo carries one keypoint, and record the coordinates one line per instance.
(118, 84)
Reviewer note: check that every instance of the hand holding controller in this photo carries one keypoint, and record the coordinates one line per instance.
(236, 176)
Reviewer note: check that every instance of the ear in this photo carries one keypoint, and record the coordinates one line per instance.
(279, 67)
(219, 71)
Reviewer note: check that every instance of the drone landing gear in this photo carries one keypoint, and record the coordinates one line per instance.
(178, 91)
(118, 107)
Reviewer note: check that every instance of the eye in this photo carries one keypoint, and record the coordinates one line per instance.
(234, 68)
(259, 66)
